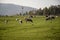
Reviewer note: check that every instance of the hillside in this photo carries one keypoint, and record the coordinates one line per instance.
(12, 9)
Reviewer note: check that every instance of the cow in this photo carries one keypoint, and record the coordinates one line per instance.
(20, 21)
(17, 19)
(31, 16)
(56, 16)
(29, 20)
(46, 15)
(50, 17)
(6, 21)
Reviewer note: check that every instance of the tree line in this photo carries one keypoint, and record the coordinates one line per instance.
(52, 10)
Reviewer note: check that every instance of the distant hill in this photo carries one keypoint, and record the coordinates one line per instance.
(12, 9)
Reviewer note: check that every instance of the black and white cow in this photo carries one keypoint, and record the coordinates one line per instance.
(50, 17)
(20, 21)
(28, 20)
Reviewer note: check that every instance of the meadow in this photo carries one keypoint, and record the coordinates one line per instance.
(40, 29)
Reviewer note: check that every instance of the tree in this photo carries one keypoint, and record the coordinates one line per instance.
(6, 15)
(30, 12)
(58, 10)
(45, 11)
(39, 12)
(54, 10)
(20, 14)
(26, 13)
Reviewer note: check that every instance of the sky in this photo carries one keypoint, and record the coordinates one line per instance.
(33, 3)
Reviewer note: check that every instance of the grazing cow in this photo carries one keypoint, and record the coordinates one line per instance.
(50, 17)
(31, 16)
(17, 19)
(20, 21)
(6, 21)
(28, 20)
(46, 15)
(56, 16)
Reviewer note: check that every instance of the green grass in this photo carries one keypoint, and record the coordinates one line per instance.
(39, 30)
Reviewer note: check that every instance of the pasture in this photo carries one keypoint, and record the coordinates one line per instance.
(40, 29)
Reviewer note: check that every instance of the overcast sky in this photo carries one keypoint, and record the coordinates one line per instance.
(33, 3)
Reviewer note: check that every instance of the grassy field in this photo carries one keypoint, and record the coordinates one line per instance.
(39, 30)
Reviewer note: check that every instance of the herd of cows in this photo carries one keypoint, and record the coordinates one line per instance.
(29, 19)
